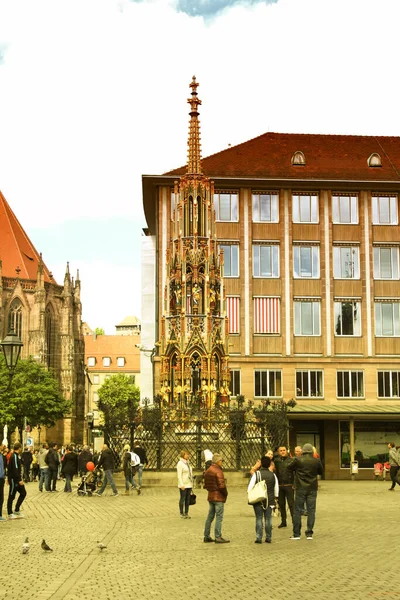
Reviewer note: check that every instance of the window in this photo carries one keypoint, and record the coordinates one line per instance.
(226, 207)
(95, 397)
(350, 384)
(265, 208)
(107, 376)
(266, 315)
(267, 384)
(231, 259)
(106, 361)
(265, 260)
(387, 319)
(384, 210)
(386, 263)
(347, 318)
(233, 313)
(96, 379)
(305, 209)
(91, 361)
(389, 384)
(298, 159)
(306, 318)
(306, 262)
(15, 317)
(120, 361)
(346, 262)
(234, 385)
(309, 384)
(345, 209)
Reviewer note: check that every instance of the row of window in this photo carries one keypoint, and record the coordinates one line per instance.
(306, 261)
(305, 208)
(310, 384)
(91, 361)
(307, 317)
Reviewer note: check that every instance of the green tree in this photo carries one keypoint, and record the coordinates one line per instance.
(34, 393)
(99, 331)
(118, 400)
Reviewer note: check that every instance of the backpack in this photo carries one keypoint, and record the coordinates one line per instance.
(135, 460)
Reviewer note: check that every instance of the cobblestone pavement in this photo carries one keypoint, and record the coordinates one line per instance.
(152, 553)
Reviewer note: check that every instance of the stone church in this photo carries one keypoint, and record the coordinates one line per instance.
(46, 316)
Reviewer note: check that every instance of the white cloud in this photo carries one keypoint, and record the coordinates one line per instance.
(94, 93)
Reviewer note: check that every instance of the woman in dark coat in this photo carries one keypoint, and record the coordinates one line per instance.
(84, 457)
(69, 467)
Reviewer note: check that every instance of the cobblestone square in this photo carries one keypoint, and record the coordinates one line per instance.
(152, 553)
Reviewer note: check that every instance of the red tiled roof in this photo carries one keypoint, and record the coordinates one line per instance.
(337, 157)
(16, 249)
(113, 346)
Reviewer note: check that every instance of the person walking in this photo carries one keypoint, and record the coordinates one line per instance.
(3, 467)
(106, 461)
(285, 479)
(14, 477)
(53, 462)
(43, 469)
(26, 459)
(394, 462)
(69, 467)
(128, 469)
(141, 452)
(185, 483)
(214, 482)
(263, 510)
(306, 469)
(84, 457)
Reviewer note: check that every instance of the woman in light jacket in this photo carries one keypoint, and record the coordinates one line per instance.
(185, 483)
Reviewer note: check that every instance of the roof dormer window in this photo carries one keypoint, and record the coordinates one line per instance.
(374, 160)
(91, 361)
(106, 361)
(298, 159)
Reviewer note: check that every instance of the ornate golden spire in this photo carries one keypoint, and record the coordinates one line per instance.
(194, 155)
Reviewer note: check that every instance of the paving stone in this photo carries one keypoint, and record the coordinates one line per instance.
(153, 553)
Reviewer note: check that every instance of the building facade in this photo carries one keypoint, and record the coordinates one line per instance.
(107, 355)
(46, 316)
(309, 228)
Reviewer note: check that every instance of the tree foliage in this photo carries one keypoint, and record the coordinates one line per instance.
(34, 393)
(118, 400)
(99, 331)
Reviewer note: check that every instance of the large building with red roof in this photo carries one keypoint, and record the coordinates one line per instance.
(45, 315)
(310, 233)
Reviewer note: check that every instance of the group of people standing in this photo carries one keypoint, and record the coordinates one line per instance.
(291, 481)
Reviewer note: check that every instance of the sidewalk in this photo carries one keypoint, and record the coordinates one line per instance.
(152, 553)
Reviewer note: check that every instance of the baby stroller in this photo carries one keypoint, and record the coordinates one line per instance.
(89, 483)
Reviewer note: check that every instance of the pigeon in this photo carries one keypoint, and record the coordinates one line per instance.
(101, 545)
(46, 547)
(25, 546)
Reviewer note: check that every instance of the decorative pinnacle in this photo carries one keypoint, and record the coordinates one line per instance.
(194, 154)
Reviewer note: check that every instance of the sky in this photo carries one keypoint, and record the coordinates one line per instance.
(93, 94)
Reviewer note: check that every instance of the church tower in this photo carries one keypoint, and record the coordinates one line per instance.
(194, 328)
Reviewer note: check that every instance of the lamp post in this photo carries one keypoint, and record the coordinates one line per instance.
(11, 348)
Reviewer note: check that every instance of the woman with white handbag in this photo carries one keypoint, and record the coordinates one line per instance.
(263, 508)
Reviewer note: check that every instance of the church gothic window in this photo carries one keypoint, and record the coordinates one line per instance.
(15, 317)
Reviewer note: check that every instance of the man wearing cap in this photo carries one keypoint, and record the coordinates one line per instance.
(214, 482)
(306, 469)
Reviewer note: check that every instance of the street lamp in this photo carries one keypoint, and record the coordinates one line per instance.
(11, 347)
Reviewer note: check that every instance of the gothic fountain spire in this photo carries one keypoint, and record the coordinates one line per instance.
(194, 153)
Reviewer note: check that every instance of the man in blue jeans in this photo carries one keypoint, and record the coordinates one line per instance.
(107, 462)
(214, 482)
(306, 469)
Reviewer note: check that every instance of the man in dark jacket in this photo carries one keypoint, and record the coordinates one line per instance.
(3, 468)
(306, 469)
(285, 479)
(214, 482)
(107, 462)
(53, 460)
(14, 476)
(69, 467)
(26, 459)
(84, 457)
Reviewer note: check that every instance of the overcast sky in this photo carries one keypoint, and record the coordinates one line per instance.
(93, 95)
